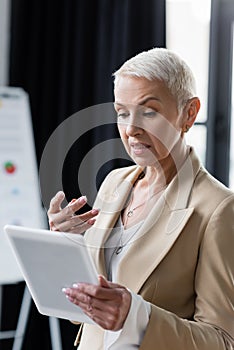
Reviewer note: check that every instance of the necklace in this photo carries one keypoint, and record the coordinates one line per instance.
(118, 245)
(122, 244)
(130, 212)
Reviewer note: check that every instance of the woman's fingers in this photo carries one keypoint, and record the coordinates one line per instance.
(105, 314)
(65, 219)
(55, 207)
(78, 223)
(107, 305)
(84, 290)
(68, 212)
(55, 203)
(107, 284)
(103, 282)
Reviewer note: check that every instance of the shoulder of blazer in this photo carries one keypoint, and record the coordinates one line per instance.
(206, 185)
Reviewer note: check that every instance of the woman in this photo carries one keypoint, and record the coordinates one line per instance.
(162, 237)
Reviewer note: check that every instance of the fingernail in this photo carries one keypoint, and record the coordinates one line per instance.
(66, 290)
(95, 211)
(82, 199)
(72, 201)
(91, 221)
(75, 285)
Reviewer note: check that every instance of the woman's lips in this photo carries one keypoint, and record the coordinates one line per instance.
(139, 148)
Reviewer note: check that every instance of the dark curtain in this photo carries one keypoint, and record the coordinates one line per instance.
(63, 54)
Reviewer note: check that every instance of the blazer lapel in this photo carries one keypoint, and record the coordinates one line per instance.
(111, 203)
(160, 229)
(152, 246)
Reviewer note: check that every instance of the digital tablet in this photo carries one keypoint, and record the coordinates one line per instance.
(50, 261)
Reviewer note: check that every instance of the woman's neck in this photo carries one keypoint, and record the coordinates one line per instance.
(164, 170)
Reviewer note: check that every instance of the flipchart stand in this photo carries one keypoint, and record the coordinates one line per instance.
(22, 206)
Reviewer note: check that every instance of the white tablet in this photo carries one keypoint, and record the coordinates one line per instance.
(50, 261)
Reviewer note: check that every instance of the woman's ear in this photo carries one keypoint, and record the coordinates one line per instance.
(190, 113)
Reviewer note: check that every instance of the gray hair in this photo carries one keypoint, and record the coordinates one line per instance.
(165, 65)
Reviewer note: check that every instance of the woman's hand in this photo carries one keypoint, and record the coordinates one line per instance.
(65, 219)
(107, 304)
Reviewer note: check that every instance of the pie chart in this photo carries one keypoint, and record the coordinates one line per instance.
(9, 167)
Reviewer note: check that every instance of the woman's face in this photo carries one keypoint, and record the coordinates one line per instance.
(148, 120)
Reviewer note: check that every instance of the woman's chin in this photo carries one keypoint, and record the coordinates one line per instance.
(145, 161)
(150, 159)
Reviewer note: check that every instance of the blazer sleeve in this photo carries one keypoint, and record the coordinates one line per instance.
(213, 324)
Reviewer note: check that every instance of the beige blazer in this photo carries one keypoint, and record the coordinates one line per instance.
(182, 263)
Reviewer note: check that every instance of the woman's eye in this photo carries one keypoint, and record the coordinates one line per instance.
(150, 114)
(122, 114)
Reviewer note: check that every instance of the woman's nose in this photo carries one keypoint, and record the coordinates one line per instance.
(133, 127)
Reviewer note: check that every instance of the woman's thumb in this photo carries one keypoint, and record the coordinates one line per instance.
(103, 282)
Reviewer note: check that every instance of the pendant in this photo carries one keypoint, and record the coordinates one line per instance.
(130, 213)
(119, 250)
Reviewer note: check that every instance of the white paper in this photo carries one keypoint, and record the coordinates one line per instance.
(19, 187)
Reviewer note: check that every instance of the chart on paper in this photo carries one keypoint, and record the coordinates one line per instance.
(19, 189)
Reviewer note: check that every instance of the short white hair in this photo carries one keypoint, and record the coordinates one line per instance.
(164, 65)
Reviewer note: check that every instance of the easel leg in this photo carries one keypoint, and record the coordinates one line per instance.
(55, 333)
(18, 334)
(22, 320)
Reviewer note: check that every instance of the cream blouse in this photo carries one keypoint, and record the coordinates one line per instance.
(131, 335)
